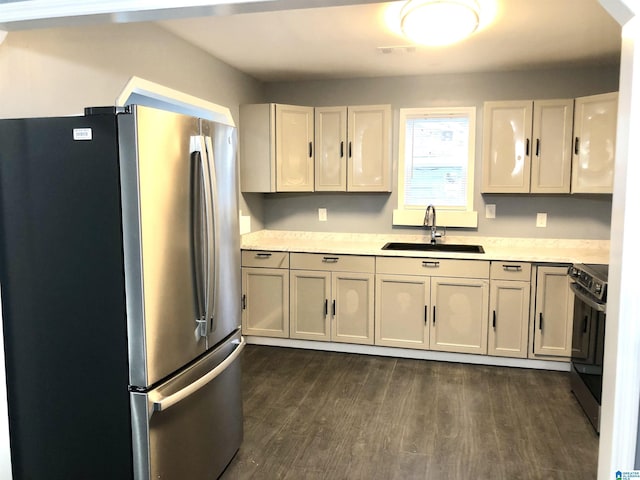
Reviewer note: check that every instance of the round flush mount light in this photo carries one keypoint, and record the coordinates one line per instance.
(439, 22)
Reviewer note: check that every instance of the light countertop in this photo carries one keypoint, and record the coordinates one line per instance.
(496, 248)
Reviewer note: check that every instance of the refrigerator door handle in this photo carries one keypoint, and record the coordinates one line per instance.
(161, 404)
(198, 146)
(213, 290)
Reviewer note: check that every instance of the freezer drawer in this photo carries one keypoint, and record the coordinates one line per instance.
(191, 425)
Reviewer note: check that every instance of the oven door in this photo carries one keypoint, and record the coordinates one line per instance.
(588, 332)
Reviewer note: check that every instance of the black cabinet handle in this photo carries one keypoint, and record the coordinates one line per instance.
(326, 307)
(330, 259)
(426, 308)
(349, 149)
(576, 148)
(512, 268)
(434, 315)
(537, 147)
(494, 319)
(584, 323)
(333, 310)
(540, 326)
(341, 149)
(244, 301)
(430, 264)
(311, 149)
(526, 151)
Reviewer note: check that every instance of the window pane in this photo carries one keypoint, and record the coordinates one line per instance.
(436, 159)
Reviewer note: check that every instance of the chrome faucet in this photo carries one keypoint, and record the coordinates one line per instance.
(430, 222)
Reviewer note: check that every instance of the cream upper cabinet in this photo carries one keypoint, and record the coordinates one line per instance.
(506, 148)
(552, 320)
(595, 121)
(551, 146)
(276, 148)
(459, 315)
(332, 297)
(369, 148)
(265, 294)
(294, 148)
(402, 311)
(353, 148)
(510, 291)
(527, 146)
(331, 149)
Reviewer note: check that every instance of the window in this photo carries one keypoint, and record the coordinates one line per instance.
(435, 166)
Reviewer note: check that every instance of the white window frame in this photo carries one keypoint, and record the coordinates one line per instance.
(446, 216)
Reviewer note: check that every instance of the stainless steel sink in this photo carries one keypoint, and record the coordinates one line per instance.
(438, 247)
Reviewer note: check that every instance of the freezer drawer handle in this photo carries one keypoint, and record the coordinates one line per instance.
(512, 268)
(162, 404)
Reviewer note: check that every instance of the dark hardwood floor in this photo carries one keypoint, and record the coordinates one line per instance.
(324, 415)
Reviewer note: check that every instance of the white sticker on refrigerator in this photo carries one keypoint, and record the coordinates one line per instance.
(82, 134)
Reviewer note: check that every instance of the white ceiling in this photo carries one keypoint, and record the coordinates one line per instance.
(344, 41)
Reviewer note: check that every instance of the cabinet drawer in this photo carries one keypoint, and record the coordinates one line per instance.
(434, 267)
(266, 259)
(333, 263)
(511, 271)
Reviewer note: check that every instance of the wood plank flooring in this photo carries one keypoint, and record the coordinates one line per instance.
(323, 415)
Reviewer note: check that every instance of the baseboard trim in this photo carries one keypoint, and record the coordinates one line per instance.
(413, 354)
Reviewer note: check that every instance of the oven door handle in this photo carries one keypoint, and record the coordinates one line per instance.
(579, 293)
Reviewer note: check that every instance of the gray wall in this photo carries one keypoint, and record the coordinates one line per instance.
(61, 71)
(568, 216)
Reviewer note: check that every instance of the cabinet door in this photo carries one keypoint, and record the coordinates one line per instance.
(459, 318)
(310, 294)
(294, 148)
(331, 149)
(265, 302)
(402, 311)
(368, 150)
(594, 144)
(352, 307)
(552, 140)
(509, 317)
(552, 323)
(506, 147)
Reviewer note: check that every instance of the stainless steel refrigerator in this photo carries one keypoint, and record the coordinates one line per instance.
(120, 277)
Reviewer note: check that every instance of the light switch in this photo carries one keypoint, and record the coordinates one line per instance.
(490, 210)
(541, 220)
(322, 214)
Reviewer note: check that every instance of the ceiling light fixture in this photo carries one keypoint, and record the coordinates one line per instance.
(439, 22)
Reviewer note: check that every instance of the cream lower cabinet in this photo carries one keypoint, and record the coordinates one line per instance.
(509, 303)
(459, 317)
(265, 294)
(402, 311)
(434, 304)
(332, 297)
(552, 319)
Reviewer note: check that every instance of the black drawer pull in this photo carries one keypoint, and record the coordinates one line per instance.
(263, 255)
(512, 268)
(430, 264)
(330, 259)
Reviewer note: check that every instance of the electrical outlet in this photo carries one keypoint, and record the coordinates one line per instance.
(490, 210)
(322, 214)
(541, 220)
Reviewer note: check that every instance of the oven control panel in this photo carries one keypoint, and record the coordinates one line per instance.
(592, 278)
